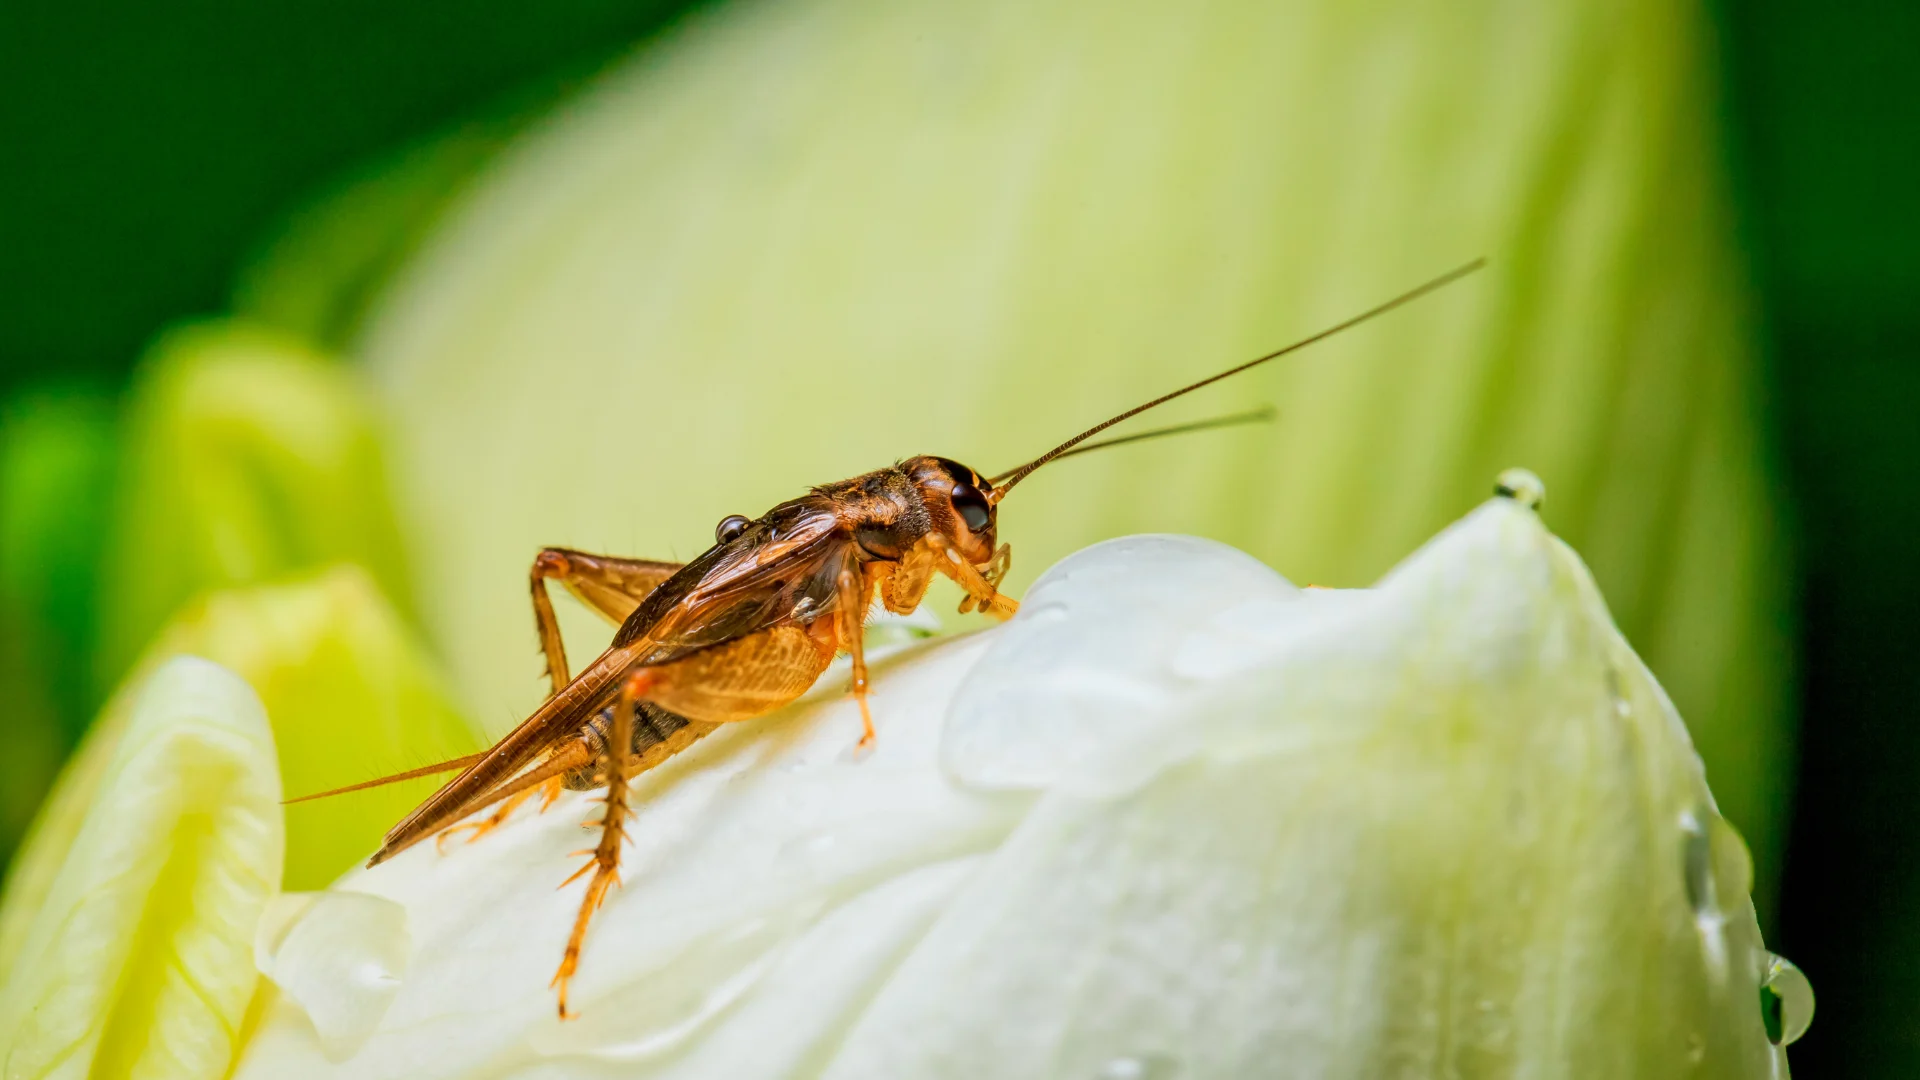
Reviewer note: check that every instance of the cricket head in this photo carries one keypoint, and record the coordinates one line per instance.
(959, 504)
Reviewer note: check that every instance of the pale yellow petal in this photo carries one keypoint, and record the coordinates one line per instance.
(134, 957)
(352, 696)
(249, 455)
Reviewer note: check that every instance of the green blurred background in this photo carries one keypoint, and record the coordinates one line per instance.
(151, 149)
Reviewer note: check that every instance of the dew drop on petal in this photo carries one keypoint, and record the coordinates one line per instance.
(1732, 862)
(1786, 1001)
(1139, 1067)
(1617, 693)
(1714, 864)
(1522, 486)
(1696, 866)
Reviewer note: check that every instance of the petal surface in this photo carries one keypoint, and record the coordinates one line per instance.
(351, 695)
(1445, 826)
(127, 950)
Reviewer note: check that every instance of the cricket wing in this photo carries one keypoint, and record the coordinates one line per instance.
(782, 571)
(561, 717)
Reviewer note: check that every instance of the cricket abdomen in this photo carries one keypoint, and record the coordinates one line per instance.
(654, 728)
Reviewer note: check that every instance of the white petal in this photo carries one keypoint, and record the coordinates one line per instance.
(1086, 667)
(339, 956)
(1439, 834)
(1445, 826)
(772, 883)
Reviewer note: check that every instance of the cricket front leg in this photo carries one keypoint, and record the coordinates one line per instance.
(995, 572)
(981, 591)
(904, 584)
(605, 865)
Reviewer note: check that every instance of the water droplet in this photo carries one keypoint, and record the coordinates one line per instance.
(1139, 1067)
(1786, 1001)
(1522, 487)
(1732, 862)
(1714, 864)
(811, 848)
(1617, 691)
(1696, 866)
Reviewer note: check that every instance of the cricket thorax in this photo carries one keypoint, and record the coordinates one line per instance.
(884, 512)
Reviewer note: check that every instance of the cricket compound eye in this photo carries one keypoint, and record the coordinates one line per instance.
(730, 528)
(971, 506)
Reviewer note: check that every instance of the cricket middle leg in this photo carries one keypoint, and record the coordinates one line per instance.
(850, 608)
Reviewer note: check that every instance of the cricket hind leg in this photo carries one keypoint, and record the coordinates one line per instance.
(604, 867)
(609, 585)
(547, 779)
(657, 735)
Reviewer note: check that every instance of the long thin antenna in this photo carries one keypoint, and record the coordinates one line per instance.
(1448, 278)
(1251, 416)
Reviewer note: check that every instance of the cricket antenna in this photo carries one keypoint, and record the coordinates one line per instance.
(1252, 416)
(1065, 448)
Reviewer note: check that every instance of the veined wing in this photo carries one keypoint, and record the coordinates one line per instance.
(782, 569)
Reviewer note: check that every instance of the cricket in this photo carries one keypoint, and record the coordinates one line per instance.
(745, 628)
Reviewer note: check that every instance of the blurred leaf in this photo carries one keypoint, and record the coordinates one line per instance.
(31, 742)
(126, 940)
(325, 264)
(317, 274)
(57, 449)
(56, 460)
(248, 456)
(351, 695)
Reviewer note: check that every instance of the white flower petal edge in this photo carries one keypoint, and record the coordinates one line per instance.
(135, 962)
(1177, 818)
(339, 956)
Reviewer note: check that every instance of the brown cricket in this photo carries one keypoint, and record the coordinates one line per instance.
(745, 628)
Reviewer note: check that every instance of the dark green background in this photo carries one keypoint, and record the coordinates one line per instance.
(149, 147)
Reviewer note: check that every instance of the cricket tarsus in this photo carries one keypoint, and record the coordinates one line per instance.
(748, 626)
